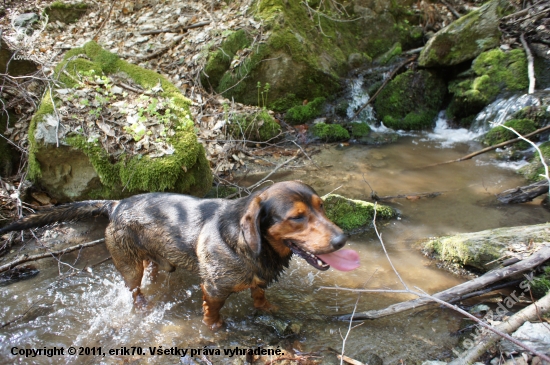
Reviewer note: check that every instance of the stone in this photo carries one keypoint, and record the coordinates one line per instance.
(534, 335)
(24, 20)
(465, 38)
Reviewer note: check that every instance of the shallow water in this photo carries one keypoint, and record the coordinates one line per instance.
(94, 309)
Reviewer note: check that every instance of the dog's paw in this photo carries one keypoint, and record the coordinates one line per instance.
(213, 323)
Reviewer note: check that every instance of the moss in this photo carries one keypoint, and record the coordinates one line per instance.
(541, 285)
(390, 55)
(359, 130)
(535, 171)
(302, 113)
(258, 127)
(354, 215)
(65, 12)
(411, 100)
(500, 134)
(186, 170)
(330, 132)
(286, 102)
(495, 71)
(219, 61)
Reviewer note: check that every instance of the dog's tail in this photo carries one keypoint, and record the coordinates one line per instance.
(63, 213)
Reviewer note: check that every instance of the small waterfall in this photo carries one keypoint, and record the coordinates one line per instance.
(357, 98)
(447, 136)
(502, 109)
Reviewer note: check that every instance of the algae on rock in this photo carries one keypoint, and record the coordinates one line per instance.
(93, 159)
(354, 215)
(481, 249)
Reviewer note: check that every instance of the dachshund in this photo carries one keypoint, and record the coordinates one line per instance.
(232, 245)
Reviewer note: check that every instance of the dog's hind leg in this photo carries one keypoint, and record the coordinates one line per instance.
(128, 263)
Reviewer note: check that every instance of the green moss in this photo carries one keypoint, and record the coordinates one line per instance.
(495, 71)
(330, 132)
(286, 102)
(411, 101)
(303, 113)
(535, 171)
(390, 55)
(359, 130)
(541, 284)
(354, 215)
(500, 134)
(186, 170)
(65, 12)
(258, 127)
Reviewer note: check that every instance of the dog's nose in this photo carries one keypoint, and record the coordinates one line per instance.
(338, 241)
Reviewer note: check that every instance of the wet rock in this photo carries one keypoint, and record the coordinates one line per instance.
(284, 328)
(411, 100)
(354, 216)
(478, 249)
(534, 335)
(465, 38)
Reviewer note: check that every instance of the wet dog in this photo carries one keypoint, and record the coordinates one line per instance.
(232, 244)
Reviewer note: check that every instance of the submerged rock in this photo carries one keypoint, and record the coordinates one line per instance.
(112, 145)
(482, 249)
(534, 335)
(467, 37)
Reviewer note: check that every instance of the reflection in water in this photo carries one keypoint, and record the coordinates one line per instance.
(94, 309)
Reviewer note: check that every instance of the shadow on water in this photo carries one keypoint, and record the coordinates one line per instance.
(94, 309)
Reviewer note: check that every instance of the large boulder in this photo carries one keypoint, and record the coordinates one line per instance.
(114, 129)
(467, 37)
(304, 52)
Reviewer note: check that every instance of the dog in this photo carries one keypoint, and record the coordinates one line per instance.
(232, 244)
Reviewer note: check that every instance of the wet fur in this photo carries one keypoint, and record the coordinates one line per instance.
(232, 244)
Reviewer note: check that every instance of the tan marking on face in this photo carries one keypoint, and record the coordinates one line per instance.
(313, 234)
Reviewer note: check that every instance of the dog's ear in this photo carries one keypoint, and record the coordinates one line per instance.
(250, 225)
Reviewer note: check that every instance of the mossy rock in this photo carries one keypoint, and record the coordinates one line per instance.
(541, 284)
(302, 113)
(80, 168)
(65, 12)
(359, 130)
(500, 134)
(305, 53)
(411, 100)
(330, 132)
(257, 127)
(478, 249)
(535, 171)
(354, 216)
(494, 72)
(465, 38)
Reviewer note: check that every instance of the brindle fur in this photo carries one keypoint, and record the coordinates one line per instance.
(232, 244)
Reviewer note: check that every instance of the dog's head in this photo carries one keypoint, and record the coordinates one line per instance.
(290, 217)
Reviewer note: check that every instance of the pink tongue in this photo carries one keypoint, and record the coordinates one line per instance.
(343, 260)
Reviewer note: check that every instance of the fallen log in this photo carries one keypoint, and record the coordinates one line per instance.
(523, 194)
(451, 294)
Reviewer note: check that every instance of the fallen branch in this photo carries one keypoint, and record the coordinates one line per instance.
(371, 99)
(523, 194)
(451, 294)
(451, 9)
(413, 196)
(530, 63)
(529, 313)
(26, 258)
(175, 29)
(474, 154)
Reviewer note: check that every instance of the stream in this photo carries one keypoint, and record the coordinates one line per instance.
(94, 309)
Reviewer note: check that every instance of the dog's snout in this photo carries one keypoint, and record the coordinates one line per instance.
(338, 241)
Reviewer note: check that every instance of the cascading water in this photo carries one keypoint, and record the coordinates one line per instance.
(502, 109)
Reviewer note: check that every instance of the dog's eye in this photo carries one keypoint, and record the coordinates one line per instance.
(298, 218)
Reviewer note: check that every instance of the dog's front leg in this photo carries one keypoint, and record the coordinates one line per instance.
(211, 307)
(260, 301)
